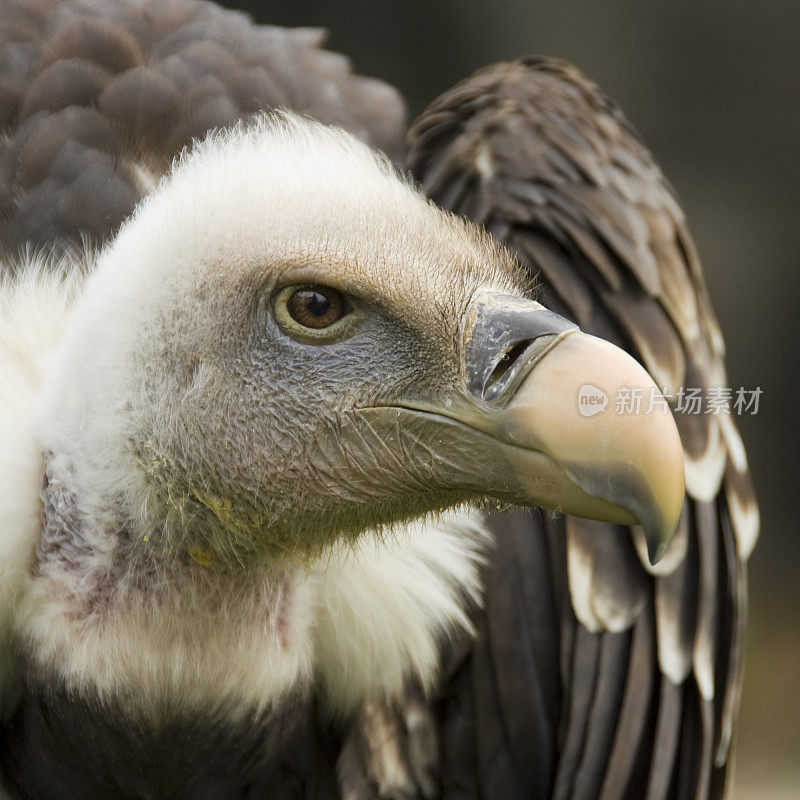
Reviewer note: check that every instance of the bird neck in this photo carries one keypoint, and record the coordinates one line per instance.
(82, 533)
(107, 614)
(180, 628)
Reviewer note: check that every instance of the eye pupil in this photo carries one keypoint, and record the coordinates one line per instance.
(316, 304)
(316, 307)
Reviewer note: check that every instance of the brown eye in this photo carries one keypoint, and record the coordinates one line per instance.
(316, 307)
(315, 314)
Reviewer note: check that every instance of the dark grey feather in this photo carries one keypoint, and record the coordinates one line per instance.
(136, 82)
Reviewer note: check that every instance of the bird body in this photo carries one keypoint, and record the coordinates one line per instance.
(254, 402)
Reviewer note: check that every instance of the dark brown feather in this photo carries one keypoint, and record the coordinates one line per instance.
(539, 155)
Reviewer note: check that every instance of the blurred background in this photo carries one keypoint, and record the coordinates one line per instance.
(714, 89)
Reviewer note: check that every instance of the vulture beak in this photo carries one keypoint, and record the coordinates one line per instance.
(542, 422)
(591, 433)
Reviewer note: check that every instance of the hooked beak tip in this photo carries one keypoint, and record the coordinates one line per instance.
(657, 546)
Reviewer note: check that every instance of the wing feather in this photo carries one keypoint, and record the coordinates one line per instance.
(649, 662)
(630, 740)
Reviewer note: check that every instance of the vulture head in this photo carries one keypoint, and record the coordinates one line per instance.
(287, 345)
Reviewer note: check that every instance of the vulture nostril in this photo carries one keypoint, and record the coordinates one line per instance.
(506, 362)
(508, 334)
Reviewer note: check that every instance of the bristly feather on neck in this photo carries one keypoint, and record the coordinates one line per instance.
(241, 638)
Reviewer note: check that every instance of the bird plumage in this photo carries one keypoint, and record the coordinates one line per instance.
(593, 674)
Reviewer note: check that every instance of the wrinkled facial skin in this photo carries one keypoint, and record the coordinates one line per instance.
(266, 449)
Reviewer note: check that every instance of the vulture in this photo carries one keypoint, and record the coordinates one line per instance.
(314, 477)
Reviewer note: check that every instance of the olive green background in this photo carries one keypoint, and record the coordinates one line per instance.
(714, 89)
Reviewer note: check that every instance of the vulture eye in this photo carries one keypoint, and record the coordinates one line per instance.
(312, 313)
(316, 307)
